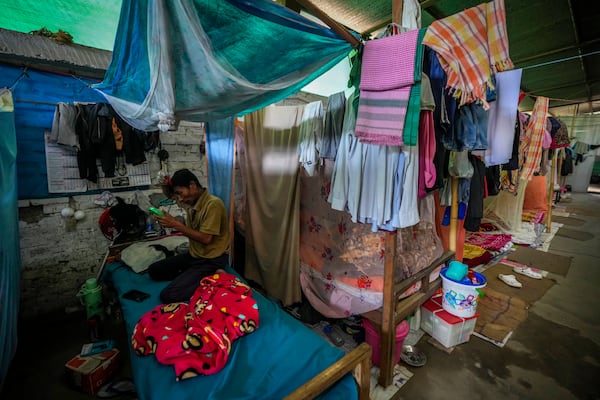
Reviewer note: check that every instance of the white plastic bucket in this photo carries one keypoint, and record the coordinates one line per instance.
(459, 298)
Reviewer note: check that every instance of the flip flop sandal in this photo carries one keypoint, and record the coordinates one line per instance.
(510, 280)
(528, 272)
(413, 356)
(116, 388)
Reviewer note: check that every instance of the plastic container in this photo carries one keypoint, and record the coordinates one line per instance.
(444, 327)
(460, 298)
(333, 335)
(90, 296)
(373, 338)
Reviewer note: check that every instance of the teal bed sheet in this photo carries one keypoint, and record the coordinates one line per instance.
(270, 363)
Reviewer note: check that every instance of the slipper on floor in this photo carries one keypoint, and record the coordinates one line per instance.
(412, 356)
(510, 280)
(527, 271)
(117, 387)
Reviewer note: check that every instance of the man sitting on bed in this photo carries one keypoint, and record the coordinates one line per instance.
(208, 232)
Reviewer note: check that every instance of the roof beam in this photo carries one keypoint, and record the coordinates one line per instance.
(574, 25)
(556, 51)
(330, 22)
(425, 4)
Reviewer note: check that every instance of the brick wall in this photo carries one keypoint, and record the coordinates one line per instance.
(58, 254)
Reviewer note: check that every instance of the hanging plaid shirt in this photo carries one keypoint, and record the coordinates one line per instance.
(534, 137)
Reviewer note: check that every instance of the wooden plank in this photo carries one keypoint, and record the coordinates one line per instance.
(404, 309)
(358, 360)
(330, 22)
(376, 315)
(453, 215)
(406, 283)
(387, 327)
(551, 194)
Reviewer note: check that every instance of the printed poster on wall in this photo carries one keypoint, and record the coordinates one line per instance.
(63, 172)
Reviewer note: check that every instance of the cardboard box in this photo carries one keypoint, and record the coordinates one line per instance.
(446, 328)
(92, 372)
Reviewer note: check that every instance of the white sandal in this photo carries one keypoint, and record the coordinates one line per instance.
(528, 272)
(510, 280)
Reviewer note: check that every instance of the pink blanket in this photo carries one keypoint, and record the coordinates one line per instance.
(196, 338)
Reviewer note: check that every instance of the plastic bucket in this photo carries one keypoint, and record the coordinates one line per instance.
(373, 338)
(460, 298)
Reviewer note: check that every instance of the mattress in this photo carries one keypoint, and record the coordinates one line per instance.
(269, 363)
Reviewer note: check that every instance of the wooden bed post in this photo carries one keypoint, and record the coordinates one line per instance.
(453, 215)
(388, 328)
(551, 193)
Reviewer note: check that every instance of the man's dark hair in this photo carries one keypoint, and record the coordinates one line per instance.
(184, 177)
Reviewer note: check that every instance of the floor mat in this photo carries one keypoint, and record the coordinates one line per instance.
(546, 261)
(574, 234)
(401, 376)
(531, 291)
(499, 314)
(571, 221)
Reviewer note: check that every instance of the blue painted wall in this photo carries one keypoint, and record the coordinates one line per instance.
(35, 95)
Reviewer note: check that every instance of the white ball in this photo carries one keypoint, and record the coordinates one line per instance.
(67, 212)
(79, 215)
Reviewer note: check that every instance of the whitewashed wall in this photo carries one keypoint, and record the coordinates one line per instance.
(58, 255)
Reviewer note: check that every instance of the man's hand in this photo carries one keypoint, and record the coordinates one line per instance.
(169, 221)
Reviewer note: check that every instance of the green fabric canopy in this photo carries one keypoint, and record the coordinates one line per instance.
(92, 23)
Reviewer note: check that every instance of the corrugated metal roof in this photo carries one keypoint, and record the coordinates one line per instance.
(43, 52)
(557, 42)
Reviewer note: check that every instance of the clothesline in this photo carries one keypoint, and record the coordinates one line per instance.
(561, 60)
(24, 74)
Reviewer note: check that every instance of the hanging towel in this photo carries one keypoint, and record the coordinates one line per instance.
(411, 124)
(534, 137)
(310, 136)
(471, 45)
(387, 75)
(332, 129)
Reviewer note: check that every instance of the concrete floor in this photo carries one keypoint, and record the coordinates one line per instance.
(554, 354)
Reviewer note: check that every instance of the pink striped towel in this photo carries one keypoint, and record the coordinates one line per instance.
(389, 62)
(387, 74)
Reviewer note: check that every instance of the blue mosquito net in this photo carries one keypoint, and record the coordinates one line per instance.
(201, 60)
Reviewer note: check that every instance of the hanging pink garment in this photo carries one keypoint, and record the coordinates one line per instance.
(387, 74)
(427, 145)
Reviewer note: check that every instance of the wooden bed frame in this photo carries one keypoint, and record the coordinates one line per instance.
(393, 310)
(358, 361)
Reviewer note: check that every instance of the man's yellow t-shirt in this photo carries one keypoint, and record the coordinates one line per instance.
(209, 216)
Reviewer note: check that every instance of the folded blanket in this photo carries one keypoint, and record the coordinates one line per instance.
(470, 46)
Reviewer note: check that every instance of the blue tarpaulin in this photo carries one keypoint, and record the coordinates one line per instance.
(10, 266)
(36, 94)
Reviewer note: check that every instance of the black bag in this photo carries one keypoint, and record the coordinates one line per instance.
(128, 219)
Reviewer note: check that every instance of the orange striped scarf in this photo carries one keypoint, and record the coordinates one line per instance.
(531, 145)
(470, 46)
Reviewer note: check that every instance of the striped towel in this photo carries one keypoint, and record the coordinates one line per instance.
(534, 137)
(470, 46)
(387, 74)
